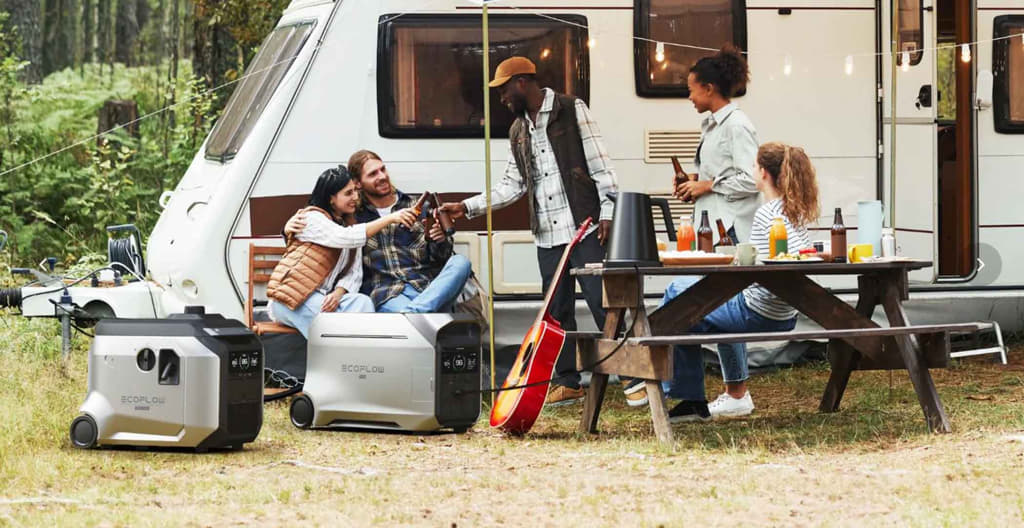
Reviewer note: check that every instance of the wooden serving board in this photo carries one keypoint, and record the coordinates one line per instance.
(696, 260)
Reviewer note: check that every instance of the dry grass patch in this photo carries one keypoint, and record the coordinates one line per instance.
(872, 463)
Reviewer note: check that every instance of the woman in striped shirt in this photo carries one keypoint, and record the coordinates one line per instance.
(786, 178)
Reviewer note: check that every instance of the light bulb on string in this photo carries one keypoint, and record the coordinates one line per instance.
(906, 61)
(848, 68)
(965, 53)
(659, 53)
(592, 43)
(787, 66)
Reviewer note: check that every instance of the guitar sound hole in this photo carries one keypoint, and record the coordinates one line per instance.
(527, 356)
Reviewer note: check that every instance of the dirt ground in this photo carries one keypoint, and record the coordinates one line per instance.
(873, 463)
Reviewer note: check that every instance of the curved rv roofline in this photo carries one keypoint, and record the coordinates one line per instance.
(302, 4)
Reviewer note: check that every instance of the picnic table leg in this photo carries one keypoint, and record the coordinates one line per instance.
(594, 397)
(659, 414)
(843, 356)
(910, 350)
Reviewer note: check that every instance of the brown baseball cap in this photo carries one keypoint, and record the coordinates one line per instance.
(511, 67)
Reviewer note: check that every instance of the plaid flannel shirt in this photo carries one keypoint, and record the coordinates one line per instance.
(554, 218)
(397, 256)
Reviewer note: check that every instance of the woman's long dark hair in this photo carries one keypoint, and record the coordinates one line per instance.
(727, 70)
(330, 182)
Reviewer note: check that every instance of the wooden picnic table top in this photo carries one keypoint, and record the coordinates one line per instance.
(809, 268)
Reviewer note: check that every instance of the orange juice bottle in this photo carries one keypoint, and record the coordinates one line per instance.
(777, 238)
(686, 238)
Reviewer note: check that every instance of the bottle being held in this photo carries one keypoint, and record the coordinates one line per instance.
(686, 239)
(838, 238)
(680, 175)
(778, 240)
(723, 237)
(705, 237)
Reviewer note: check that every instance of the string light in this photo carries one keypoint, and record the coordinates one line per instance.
(592, 43)
(849, 65)
(664, 66)
(906, 61)
(787, 66)
(659, 53)
(545, 54)
(965, 53)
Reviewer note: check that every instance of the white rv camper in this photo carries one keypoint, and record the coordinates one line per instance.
(403, 78)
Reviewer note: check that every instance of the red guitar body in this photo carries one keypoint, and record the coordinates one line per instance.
(515, 410)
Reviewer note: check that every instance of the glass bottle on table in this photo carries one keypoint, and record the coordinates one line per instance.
(778, 240)
(723, 237)
(705, 237)
(685, 237)
(838, 238)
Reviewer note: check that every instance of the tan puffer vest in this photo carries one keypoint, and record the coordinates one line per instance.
(302, 269)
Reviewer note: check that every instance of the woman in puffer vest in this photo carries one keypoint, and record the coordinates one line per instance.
(321, 269)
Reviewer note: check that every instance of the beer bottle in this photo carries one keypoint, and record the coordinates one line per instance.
(778, 240)
(838, 238)
(686, 239)
(446, 220)
(705, 237)
(723, 237)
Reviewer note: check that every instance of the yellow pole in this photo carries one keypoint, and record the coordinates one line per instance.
(892, 111)
(487, 192)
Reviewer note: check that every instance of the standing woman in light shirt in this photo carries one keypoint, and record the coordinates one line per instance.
(725, 187)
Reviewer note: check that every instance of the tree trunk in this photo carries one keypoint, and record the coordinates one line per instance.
(114, 113)
(88, 30)
(127, 32)
(25, 20)
(103, 34)
(214, 49)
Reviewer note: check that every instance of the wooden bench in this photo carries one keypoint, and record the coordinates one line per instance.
(262, 260)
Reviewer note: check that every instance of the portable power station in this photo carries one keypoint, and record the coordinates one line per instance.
(193, 380)
(400, 372)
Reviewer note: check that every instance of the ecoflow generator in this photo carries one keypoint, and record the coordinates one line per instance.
(400, 372)
(193, 380)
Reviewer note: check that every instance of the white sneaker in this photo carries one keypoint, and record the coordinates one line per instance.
(726, 406)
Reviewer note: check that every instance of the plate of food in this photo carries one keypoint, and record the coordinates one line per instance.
(693, 258)
(805, 256)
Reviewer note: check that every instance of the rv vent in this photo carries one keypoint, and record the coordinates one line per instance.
(661, 145)
(678, 208)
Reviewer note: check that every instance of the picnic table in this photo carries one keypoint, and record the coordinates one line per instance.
(855, 341)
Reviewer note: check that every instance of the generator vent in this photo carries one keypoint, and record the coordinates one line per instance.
(661, 145)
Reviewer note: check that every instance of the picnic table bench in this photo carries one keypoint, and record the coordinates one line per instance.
(855, 341)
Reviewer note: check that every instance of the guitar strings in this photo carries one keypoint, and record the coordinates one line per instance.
(629, 333)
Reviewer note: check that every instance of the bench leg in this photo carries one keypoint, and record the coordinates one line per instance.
(659, 414)
(592, 402)
(843, 358)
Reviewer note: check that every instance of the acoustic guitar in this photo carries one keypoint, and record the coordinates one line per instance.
(516, 409)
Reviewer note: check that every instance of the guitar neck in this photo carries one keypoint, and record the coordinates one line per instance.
(560, 272)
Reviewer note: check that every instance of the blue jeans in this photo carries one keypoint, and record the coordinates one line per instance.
(732, 317)
(302, 317)
(436, 297)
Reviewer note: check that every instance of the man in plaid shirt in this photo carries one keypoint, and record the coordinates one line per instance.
(405, 270)
(559, 163)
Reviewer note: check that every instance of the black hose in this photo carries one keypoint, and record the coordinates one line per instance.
(123, 251)
(283, 394)
(10, 297)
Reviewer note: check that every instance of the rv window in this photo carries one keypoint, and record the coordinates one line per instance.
(911, 38)
(250, 98)
(701, 23)
(430, 69)
(1008, 74)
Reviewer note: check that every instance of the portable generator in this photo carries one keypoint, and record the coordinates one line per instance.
(193, 380)
(400, 372)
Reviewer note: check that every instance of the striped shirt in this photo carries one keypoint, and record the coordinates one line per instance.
(555, 225)
(757, 298)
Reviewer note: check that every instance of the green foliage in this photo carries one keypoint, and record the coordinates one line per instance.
(59, 205)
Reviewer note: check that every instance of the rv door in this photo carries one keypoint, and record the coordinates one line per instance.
(914, 198)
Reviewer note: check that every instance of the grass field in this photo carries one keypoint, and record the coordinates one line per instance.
(873, 463)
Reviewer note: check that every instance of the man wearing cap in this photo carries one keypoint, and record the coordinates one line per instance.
(559, 163)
